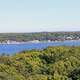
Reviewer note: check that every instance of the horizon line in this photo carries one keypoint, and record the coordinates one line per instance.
(39, 31)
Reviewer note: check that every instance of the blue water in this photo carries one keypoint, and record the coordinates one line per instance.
(14, 48)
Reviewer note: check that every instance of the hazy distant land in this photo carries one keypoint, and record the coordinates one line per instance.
(17, 38)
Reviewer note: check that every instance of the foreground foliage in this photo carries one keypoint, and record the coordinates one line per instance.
(52, 63)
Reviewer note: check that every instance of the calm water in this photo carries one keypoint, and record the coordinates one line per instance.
(14, 48)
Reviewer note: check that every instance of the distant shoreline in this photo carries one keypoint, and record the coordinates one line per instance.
(37, 42)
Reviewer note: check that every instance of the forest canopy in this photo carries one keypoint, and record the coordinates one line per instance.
(52, 63)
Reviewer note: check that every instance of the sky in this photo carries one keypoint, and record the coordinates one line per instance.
(39, 15)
